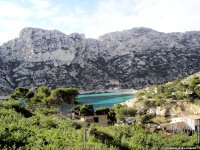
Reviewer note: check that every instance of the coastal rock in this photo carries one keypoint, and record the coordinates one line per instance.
(175, 109)
(132, 58)
(191, 108)
(162, 111)
(129, 103)
(152, 111)
(141, 111)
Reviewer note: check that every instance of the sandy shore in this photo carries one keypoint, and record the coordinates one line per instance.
(130, 102)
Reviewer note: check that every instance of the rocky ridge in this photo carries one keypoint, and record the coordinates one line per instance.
(128, 59)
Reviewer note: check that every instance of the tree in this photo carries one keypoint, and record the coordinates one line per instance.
(41, 96)
(193, 83)
(112, 117)
(197, 90)
(149, 103)
(87, 110)
(61, 96)
(22, 93)
(44, 90)
(83, 110)
(101, 111)
(144, 118)
(123, 111)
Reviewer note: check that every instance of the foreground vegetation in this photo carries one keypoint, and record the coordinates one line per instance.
(37, 124)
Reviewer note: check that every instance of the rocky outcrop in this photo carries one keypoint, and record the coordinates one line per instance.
(162, 111)
(154, 111)
(128, 59)
(175, 109)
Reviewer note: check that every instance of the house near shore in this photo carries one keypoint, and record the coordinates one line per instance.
(184, 123)
(100, 119)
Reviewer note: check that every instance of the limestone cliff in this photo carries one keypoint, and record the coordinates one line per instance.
(128, 59)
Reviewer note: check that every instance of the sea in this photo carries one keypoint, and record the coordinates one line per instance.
(105, 99)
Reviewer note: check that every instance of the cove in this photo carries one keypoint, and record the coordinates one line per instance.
(105, 99)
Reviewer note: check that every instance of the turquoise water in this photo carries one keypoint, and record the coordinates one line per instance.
(104, 99)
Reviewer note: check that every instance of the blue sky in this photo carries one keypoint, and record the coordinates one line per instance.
(97, 17)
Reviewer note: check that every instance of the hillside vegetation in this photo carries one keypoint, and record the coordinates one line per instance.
(19, 131)
(41, 127)
(187, 90)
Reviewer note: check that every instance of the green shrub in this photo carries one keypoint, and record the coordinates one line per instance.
(144, 118)
(149, 103)
(123, 111)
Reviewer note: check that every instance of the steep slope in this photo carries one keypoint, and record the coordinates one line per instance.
(127, 59)
(178, 97)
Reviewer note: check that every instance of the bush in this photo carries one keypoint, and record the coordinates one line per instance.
(123, 111)
(144, 118)
(84, 110)
(46, 111)
(149, 103)
(101, 111)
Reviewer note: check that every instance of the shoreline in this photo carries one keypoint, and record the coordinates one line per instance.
(130, 102)
(109, 91)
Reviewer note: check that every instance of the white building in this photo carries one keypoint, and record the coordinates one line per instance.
(192, 121)
(177, 119)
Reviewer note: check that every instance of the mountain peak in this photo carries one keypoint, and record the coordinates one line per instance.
(28, 31)
(143, 29)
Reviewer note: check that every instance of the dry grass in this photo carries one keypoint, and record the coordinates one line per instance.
(159, 120)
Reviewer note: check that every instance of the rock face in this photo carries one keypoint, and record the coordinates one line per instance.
(175, 109)
(128, 59)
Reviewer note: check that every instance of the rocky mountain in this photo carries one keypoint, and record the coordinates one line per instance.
(127, 59)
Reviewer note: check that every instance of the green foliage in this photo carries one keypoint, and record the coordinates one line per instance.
(187, 89)
(44, 90)
(83, 110)
(41, 96)
(12, 104)
(36, 132)
(29, 94)
(123, 111)
(197, 102)
(46, 111)
(148, 103)
(158, 101)
(107, 139)
(22, 93)
(60, 96)
(194, 81)
(45, 97)
(144, 118)
(197, 91)
(101, 111)
(86, 110)
(47, 132)
(138, 138)
(112, 117)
